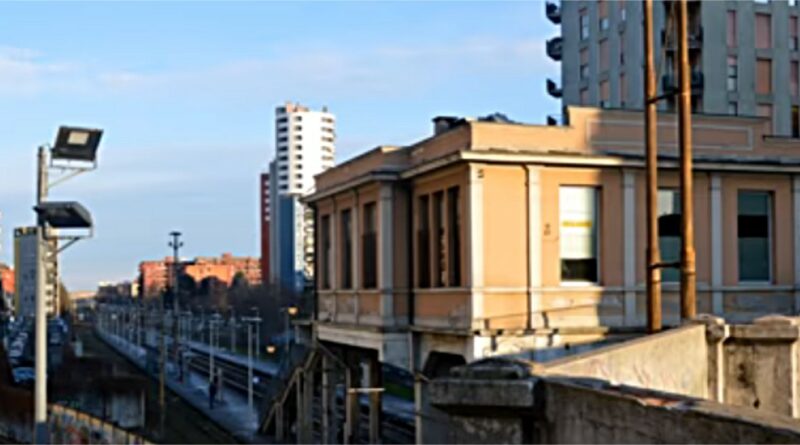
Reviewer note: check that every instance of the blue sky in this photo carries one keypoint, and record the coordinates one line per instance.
(186, 94)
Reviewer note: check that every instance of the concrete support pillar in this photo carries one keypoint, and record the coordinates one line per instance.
(350, 407)
(328, 395)
(535, 317)
(307, 419)
(418, 419)
(629, 247)
(375, 403)
(299, 406)
(280, 422)
(717, 254)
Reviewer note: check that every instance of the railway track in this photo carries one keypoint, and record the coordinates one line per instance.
(234, 375)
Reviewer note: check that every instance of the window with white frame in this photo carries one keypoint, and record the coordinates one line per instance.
(578, 234)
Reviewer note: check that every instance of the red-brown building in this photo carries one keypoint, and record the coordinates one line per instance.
(154, 275)
(6, 286)
(265, 220)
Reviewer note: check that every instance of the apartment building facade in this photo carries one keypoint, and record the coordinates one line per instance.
(265, 220)
(744, 57)
(155, 276)
(26, 281)
(305, 145)
(495, 238)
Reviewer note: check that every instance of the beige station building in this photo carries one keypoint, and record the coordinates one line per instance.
(493, 237)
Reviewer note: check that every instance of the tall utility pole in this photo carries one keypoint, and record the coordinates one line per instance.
(176, 244)
(41, 434)
(688, 272)
(162, 371)
(651, 197)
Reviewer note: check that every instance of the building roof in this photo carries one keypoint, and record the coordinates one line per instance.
(590, 137)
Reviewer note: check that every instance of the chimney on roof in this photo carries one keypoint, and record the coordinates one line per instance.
(443, 123)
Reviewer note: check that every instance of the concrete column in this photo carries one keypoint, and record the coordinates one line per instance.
(474, 225)
(299, 406)
(280, 431)
(535, 318)
(418, 407)
(375, 414)
(351, 406)
(796, 227)
(629, 246)
(717, 258)
(386, 253)
(328, 397)
(307, 419)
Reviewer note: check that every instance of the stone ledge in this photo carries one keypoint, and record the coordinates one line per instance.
(766, 331)
(466, 394)
(777, 320)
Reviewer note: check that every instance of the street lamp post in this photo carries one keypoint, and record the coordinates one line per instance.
(175, 244)
(250, 322)
(249, 366)
(212, 325)
(258, 331)
(75, 151)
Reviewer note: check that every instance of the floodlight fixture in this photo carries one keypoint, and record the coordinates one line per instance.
(76, 144)
(292, 310)
(271, 349)
(64, 215)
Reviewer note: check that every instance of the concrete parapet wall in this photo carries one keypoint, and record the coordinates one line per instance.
(673, 361)
(706, 382)
(578, 413)
(508, 409)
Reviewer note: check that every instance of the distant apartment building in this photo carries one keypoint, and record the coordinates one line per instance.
(26, 259)
(155, 276)
(122, 289)
(744, 57)
(82, 300)
(494, 238)
(304, 147)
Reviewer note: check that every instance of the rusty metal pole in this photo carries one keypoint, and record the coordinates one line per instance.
(688, 273)
(651, 197)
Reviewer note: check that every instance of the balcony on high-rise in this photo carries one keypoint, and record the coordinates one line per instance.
(555, 47)
(694, 39)
(553, 11)
(669, 82)
(553, 89)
